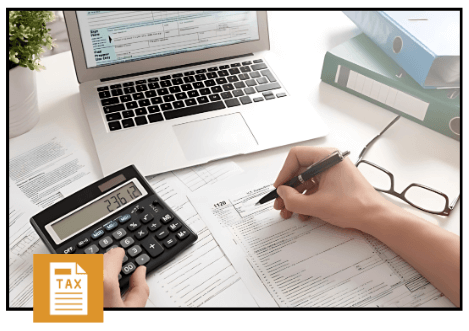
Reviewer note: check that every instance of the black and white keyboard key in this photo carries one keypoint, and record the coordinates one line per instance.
(104, 94)
(232, 102)
(152, 247)
(114, 126)
(113, 117)
(128, 123)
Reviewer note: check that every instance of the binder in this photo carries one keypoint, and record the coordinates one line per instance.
(424, 43)
(361, 68)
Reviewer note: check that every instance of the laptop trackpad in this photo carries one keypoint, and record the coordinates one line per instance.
(215, 137)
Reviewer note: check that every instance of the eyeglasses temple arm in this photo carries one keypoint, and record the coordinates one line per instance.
(376, 138)
(455, 201)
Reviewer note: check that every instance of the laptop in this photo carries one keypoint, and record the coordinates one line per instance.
(166, 90)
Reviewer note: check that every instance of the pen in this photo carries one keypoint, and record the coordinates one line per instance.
(313, 170)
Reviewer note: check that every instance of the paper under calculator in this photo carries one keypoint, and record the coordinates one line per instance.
(120, 210)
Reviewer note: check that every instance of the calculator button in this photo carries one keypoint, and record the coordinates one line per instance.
(69, 250)
(174, 226)
(128, 268)
(111, 225)
(142, 233)
(105, 242)
(147, 218)
(142, 259)
(183, 234)
(83, 242)
(152, 247)
(140, 209)
(125, 259)
(162, 234)
(124, 218)
(119, 234)
(134, 250)
(93, 249)
(127, 242)
(134, 225)
(112, 247)
(167, 218)
(153, 226)
(170, 242)
(97, 234)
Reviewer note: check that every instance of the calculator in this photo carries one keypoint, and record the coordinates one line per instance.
(120, 210)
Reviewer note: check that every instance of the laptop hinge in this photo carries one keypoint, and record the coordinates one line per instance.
(171, 68)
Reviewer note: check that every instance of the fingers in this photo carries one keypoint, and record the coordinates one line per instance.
(112, 264)
(138, 289)
(278, 204)
(308, 186)
(112, 261)
(286, 214)
(300, 158)
(294, 201)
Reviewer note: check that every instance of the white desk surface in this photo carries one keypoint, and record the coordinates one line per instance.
(410, 151)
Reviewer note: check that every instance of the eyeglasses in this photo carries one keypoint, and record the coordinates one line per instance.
(417, 195)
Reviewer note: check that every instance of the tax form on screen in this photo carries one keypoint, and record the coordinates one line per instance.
(312, 263)
(111, 37)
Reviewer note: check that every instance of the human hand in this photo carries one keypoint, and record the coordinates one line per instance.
(138, 289)
(340, 195)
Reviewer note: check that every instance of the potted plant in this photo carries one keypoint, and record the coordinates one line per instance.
(27, 37)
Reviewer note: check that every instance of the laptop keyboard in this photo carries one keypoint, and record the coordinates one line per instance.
(168, 97)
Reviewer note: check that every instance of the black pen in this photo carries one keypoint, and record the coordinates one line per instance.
(309, 173)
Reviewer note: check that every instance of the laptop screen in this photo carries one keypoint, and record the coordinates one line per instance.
(111, 37)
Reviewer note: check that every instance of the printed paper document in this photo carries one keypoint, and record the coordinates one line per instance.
(201, 276)
(312, 263)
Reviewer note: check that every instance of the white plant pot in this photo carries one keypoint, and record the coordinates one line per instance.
(23, 107)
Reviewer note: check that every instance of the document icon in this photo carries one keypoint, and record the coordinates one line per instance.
(68, 289)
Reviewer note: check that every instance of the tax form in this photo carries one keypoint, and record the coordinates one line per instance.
(68, 289)
(44, 167)
(311, 263)
(201, 276)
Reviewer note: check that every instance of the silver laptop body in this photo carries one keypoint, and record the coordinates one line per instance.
(212, 87)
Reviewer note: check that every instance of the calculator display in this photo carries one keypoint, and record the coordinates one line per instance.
(97, 210)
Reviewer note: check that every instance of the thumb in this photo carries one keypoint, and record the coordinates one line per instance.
(138, 289)
(295, 201)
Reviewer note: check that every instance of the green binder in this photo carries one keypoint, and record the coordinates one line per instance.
(361, 68)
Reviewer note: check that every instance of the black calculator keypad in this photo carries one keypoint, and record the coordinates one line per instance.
(147, 218)
(170, 242)
(134, 251)
(134, 225)
(97, 234)
(118, 234)
(82, 243)
(128, 268)
(166, 218)
(105, 242)
(174, 226)
(124, 218)
(150, 233)
(127, 242)
(152, 247)
(153, 226)
(142, 233)
(93, 249)
(142, 259)
(161, 234)
(183, 234)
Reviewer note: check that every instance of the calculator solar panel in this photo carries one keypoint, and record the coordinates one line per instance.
(121, 210)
